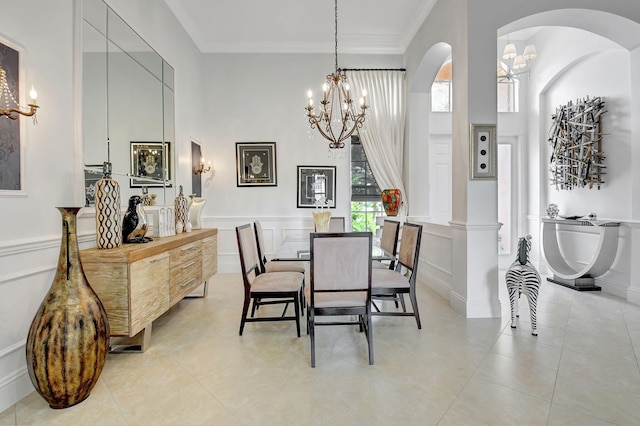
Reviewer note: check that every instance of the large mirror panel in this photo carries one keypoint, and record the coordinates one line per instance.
(128, 106)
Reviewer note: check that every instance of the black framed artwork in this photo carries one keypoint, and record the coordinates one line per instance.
(315, 185)
(256, 164)
(149, 161)
(11, 132)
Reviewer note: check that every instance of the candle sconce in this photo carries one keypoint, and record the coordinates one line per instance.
(13, 109)
(200, 169)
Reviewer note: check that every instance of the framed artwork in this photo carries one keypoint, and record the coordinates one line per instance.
(315, 184)
(577, 157)
(149, 164)
(483, 152)
(91, 176)
(256, 164)
(196, 178)
(12, 155)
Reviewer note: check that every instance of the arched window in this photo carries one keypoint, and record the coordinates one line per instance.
(508, 87)
(441, 89)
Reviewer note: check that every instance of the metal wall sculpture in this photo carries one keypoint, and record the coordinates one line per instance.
(577, 159)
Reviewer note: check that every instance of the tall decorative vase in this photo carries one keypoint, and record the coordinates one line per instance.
(69, 337)
(195, 210)
(181, 211)
(321, 220)
(108, 233)
(391, 201)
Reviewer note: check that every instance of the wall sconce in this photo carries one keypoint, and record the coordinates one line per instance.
(198, 170)
(12, 107)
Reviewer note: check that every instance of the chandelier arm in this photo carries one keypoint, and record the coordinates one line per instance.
(9, 112)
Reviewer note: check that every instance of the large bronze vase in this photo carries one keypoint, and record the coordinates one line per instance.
(69, 336)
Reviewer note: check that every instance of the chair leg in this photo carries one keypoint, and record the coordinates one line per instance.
(369, 336)
(297, 308)
(401, 297)
(254, 303)
(414, 305)
(312, 337)
(245, 309)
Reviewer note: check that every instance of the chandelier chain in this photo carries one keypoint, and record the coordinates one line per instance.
(336, 35)
(337, 118)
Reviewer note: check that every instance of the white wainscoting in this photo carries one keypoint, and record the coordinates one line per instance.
(435, 258)
(28, 268)
(274, 229)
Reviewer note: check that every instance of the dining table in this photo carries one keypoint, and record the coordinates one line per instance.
(298, 247)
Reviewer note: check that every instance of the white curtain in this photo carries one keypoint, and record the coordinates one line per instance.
(383, 134)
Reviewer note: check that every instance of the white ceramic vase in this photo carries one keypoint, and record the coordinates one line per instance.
(195, 210)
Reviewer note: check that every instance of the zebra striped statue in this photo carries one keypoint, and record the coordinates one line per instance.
(522, 277)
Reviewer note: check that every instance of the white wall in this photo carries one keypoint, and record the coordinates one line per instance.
(595, 66)
(471, 29)
(261, 98)
(30, 235)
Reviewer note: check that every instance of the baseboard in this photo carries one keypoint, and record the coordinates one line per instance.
(633, 295)
(458, 303)
(14, 388)
(439, 286)
(483, 309)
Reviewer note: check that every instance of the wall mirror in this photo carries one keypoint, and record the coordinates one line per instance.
(127, 101)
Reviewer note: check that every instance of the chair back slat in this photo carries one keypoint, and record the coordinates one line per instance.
(247, 248)
(262, 257)
(389, 238)
(341, 261)
(410, 245)
(336, 224)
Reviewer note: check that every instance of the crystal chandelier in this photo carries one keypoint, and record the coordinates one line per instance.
(516, 64)
(336, 119)
(9, 107)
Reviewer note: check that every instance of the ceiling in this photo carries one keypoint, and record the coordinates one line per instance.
(301, 26)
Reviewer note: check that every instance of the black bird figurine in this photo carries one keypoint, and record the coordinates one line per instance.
(134, 224)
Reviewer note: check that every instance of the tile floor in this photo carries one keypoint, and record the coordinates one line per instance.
(582, 369)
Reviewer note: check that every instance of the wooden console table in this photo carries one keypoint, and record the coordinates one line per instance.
(139, 282)
(563, 273)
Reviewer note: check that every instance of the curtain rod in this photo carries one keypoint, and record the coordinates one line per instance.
(374, 69)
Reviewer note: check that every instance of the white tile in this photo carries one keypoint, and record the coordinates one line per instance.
(582, 369)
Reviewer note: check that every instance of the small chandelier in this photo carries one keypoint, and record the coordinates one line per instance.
(517, 64)
(336, 120)
(11, 108)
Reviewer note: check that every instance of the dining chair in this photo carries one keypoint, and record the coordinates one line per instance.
(388, 242)
(265, 288)
(336, 224)
(340, 284)
(279, 266)
(391, 284)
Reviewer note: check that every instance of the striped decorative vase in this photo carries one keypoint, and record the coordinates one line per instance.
(108, 232)
(69, 337)
(391, 201)
(181, 204)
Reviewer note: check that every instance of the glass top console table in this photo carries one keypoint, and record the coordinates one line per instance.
(579, 279)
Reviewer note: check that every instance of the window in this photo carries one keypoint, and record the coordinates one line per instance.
(366, 203)
(508, 95)
(508, 89)
(441, 89)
